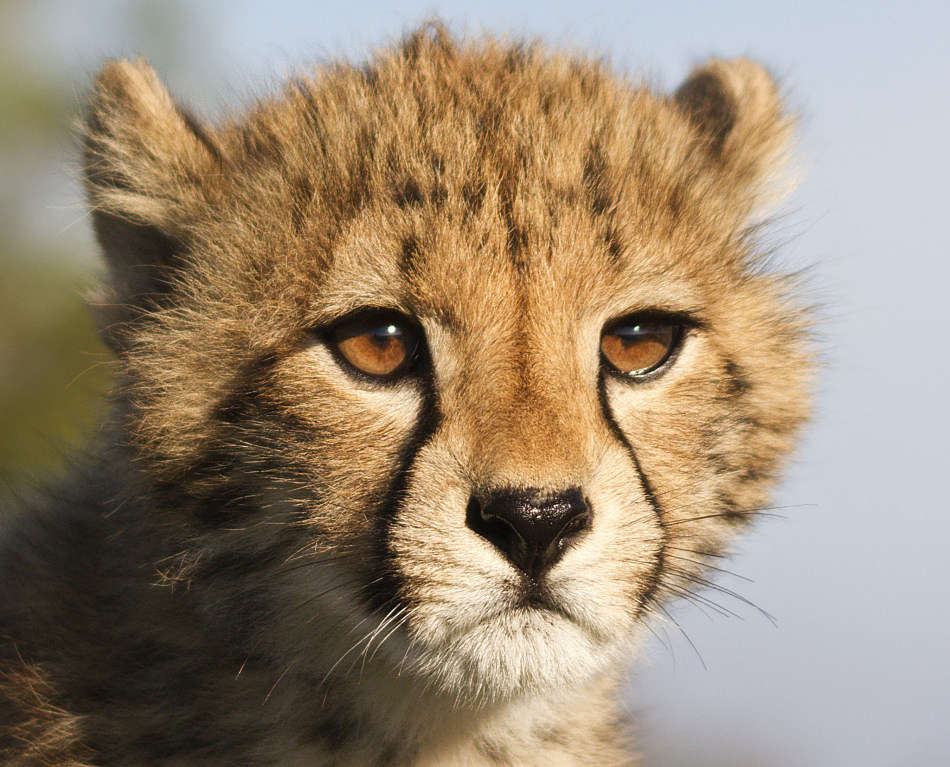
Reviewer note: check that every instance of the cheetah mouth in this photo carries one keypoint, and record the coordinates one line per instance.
(538, 600)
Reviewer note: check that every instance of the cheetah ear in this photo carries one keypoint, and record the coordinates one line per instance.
(143, 161)
(735, 108)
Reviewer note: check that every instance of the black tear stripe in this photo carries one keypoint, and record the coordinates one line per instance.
(383, 592)
(656, 574)
(737, 383)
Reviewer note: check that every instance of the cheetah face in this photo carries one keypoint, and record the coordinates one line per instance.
(473, 364)
(533, 430)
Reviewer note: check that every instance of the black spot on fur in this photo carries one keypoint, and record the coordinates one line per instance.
(517, 244)
(595, 181)
(760, 471)
(720, 463)
(615, 245)
(473, 192)
(410, 252)
(736, 382)
(278, 425)
(677, 202)
(244, 388)
(730, 511)
(439, 194)
(359, 188)
(408, 194)
(516, 236)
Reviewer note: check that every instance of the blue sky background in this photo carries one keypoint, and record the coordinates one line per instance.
(857, 572)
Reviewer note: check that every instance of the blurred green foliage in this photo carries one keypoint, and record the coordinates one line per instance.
(54, 373)
(53, 370)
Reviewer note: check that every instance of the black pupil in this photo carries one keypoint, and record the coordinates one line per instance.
(630, 334)
(383, 335)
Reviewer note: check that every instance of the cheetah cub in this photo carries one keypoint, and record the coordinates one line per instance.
(438, 376)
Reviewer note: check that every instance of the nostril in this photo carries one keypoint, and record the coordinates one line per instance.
(532, 530)
(495, 529)
(577, 523)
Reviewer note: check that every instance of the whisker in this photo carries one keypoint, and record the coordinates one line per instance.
(700, 600)
(274, 686)
(685, 636)
(353, 646)
(735, 595)
(706, 565)
(398, 618)
(733, 513)
(713, 554)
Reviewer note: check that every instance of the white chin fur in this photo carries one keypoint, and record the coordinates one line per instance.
(520, 651)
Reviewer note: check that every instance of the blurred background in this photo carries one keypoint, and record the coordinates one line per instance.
(856, 566)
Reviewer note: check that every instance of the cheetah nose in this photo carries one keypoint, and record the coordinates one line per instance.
(531, 530)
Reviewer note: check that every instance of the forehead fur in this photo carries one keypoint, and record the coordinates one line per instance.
(515, 139)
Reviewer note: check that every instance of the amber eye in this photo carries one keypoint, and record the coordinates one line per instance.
(636, 347)
(380, 344)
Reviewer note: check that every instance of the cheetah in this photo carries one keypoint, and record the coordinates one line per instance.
(438, 376)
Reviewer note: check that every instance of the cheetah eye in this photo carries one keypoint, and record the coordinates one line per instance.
(638, 345)
(379, 343)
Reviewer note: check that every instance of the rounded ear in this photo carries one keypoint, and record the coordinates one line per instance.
(735, 108)
(144, 162)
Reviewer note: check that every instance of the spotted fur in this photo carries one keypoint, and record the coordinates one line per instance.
(266, 561)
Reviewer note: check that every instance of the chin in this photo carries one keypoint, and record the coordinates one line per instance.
(510, 651)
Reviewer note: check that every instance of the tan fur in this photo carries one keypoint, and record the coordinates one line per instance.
(513, 201)
(36, 732)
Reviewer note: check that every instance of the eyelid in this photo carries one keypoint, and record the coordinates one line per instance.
(687, 319)
(370, 314)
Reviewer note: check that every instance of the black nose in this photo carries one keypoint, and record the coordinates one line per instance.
(532, 530)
